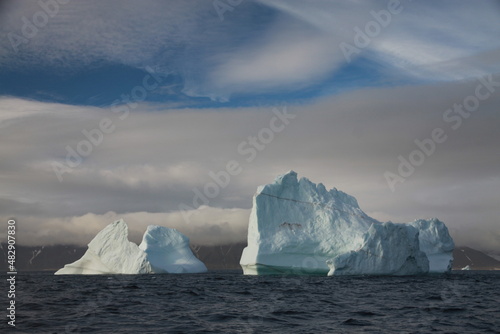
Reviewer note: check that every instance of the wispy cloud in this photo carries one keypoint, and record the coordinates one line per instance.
(152, 162)
(269, 46)
(288, 57)
(418, 38)
(81, 33)
(207, 226)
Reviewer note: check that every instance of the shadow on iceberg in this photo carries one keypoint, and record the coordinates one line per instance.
(162, 250)
(298, 227)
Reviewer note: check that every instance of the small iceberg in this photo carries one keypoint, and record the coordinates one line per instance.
(163, 250)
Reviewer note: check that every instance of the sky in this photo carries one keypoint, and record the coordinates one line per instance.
(174, 112)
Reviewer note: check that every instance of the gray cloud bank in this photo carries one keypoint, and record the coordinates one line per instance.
(154, 159)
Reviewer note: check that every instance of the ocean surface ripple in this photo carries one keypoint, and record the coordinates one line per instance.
(228, 302)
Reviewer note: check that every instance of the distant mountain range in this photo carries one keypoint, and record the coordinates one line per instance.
(32, 258)
(51, 258)
(476, 260)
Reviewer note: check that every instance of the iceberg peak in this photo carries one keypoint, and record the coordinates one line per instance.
(163, 250)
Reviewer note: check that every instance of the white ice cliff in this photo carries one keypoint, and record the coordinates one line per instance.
(163, 250)
(299, 227)
(436, 243)
(167, 251)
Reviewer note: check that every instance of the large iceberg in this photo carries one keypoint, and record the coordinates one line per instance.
(163, 250)
(299, 227)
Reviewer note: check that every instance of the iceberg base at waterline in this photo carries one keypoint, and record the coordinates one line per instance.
(162, 250)
(298, 227)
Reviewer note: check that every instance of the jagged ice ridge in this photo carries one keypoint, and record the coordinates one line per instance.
(162, 250)
(299, 227)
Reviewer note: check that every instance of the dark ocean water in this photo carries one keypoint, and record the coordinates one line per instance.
(228, 302)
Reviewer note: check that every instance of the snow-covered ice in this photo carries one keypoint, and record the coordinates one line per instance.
(163, 250)
(436, 243)
(297, 226)
(167, 251)
(388, 249)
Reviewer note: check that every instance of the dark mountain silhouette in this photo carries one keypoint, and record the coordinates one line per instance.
(51, 258)
(476, 260)
(39, 258)
(220, 257)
